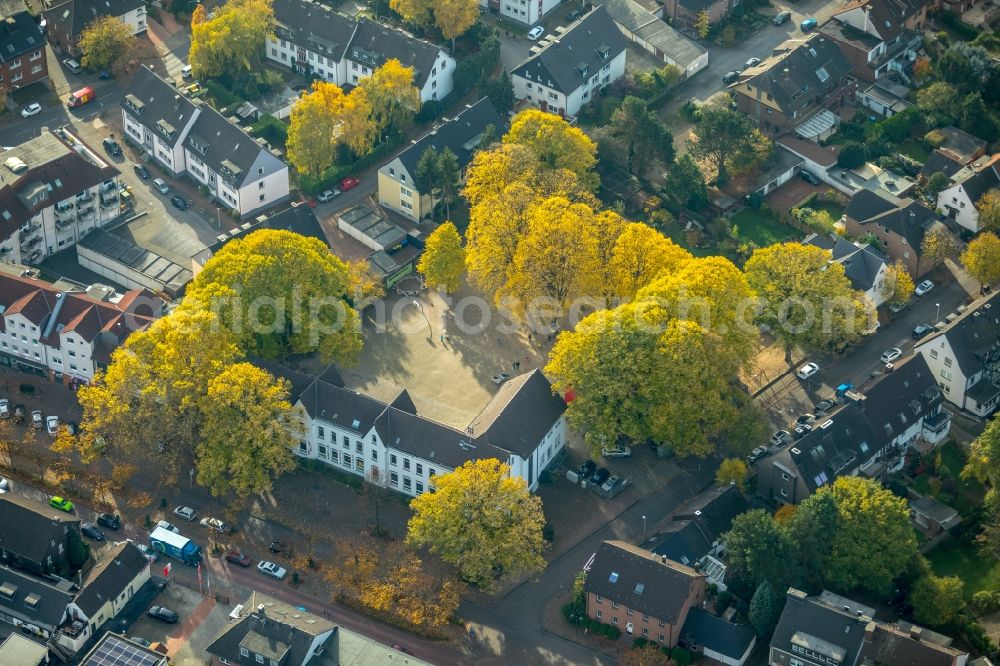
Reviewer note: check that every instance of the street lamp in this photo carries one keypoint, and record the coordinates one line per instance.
(937, 314)
(644, 526)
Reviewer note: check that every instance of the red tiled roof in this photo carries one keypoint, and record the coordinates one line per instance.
(33, 306)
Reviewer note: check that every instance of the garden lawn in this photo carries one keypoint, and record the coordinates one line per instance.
(830, 207)
(762, 229)
(963, 559)
(916, 150)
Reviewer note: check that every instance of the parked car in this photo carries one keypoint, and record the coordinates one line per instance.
(141, 171)
(826, 405)
(779, 437)
(616, 451)
(236, 557)
(610, 483)
(213, 524)
(809, 177)
(890, 355)
(752, 62)
(161, 185)
(729, 77)
(185, 512)
(52, 425)
(328, 195)
(348, 183)
(4, 408)
(586, 470)
(37, 420)
(19, 413)
(921, 330)
(600, 476)
(807, 371)
(923, 287)
(535, 33)
(781, 18)
(163, 614)
(186, 72)
(31, 110)
(805, 418)
(278, 547)
(104, 75)
(4, 485)
(72, 65)
(178, 202)
(808, 25)
(112, 146)
(843, 388)
(755, 455)
(109, 520)
(150, 554)
(271, 569)
(801, 430)
(167, 526)
(61, 503)
(575, 14)
(91, 531)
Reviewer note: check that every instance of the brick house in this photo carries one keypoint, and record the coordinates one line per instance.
(641, 593)
(66, 21)
(683, 14)
(899, 226)
(878, 36)
(22, 60)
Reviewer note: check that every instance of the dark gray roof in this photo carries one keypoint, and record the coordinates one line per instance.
(822, 242)
(895, 646)
(576, 55)
(373, 43)
(297, 219)
(861, 264)
(803, 71)
(314, 25)
(714, 510)
(808, 622)
(900, 398)
(837, 445)
(270, 627)
(520, 414)
(341, 407)
(459, 134)
(73, 16)
(905, 217)
(867, 204)
(299, 381)
(158, 105)
(682, 541)
(980, 182)
(19, 35)
(50, 599)
(940, 162)
(974, 337)
(222, 145)
(118, 567)
(431, 441)
(28, 527)
(939, 512)
(642, 581)
(403, 402)
(702, 629)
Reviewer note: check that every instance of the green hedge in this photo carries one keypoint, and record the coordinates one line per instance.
(273, 130)
(220, 95)
(311, 185)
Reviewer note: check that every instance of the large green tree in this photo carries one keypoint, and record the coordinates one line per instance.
(645, 138)
(936, 600)
(280, 293)
(686, 183)
(104, 42)
(758, 550)
(722, 134)
(764, 610)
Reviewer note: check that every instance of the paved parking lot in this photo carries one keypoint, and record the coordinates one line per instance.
(200, 620)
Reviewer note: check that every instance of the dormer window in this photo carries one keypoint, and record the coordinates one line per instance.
(603, 51)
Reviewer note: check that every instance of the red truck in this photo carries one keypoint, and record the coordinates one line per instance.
(80, 97)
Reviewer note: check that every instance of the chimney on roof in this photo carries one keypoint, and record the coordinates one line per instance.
(915, 632)
(785, 73)
(10, 23)
(663, 559)
(177, 101)
(869, 631)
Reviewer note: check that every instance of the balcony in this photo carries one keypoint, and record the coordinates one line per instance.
(936, 427)
(84, 197)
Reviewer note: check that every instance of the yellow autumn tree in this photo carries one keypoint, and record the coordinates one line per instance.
(556, 143)
(640, 255)
(442, 262)
(982, 258)
(313, 128)
(898, 287)
(230, 42)
(104, 42)
(451, 17)
(391, 96)
(481, 520)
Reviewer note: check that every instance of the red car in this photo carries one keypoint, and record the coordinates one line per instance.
(348, 183)
(236, 557)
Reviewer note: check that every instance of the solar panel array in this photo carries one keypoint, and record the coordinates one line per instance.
(115, 651)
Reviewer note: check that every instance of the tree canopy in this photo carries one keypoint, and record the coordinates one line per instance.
(556, 143)
(442, 262)
(105, 42)
(982, 258)
(481, 520)
(721, 135)
(937, 600)
(646, 139)
(452, 17)
(230, 41)
(898, 287)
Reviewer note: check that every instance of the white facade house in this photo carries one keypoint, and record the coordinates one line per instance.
(65, 335)
(188, 137)
(314, 40)
(965, 358)
(53, 191)
(527, 12)
(524, 426)
(958, 201)
(567, 71)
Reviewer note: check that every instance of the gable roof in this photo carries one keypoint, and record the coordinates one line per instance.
(826, 629)
(28, 527)
(20, 35)
(430, 440)
(118, 567)
(682, 541)
(642, 581)
(900, 398)
(158, 106)
(340, 406)
(521, 413)
(460, 135)
(270, 627)
(861, 264)
(374, 43)
(799, 72)
(974, 337)
(50, 599)
(887, 16)
(905, 217)
(314, 25)
(942, 162)
(889, 645)
(705, 630)
(226, 148)
(73, 16)
(978, 183)
(714, 510)
(578, 54)
(840, 443)
(656, 32)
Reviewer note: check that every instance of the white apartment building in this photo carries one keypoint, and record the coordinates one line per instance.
(958, 201)
(313, 39)
(524, 426)
(567, 71)
(188, 137)
(64, 335)
(53, 191)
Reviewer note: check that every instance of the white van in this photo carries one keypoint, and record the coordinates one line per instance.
(186, 72)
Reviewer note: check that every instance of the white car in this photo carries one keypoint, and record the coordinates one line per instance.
(162, 186)
(52, 425)
(213, 524)
(328, 195)
(500, 378)
(752, 62)
(150, 554)
(186, 72)
(890, 355)
(185, 512)
(923, 287)
(72, 65)
(271, 569)
(608, 485)
(32, 109)
(4, 485)
(4, 408)
(167, 526)
(535, 32)
(807, 371)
